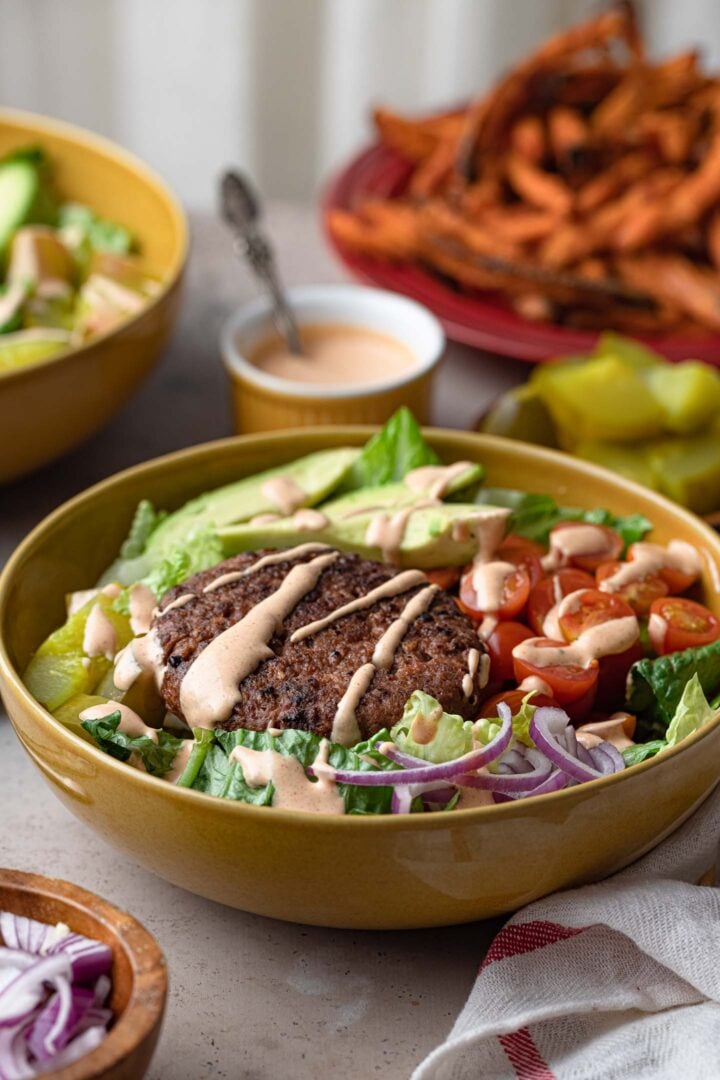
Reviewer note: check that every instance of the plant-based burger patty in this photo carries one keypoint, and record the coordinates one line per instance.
(431, 648)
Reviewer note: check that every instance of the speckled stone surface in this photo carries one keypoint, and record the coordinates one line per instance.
(250, 998)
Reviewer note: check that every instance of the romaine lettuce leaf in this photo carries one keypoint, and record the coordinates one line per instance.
(692, 712)
(99, 233)
(655, 686)
(533, 515)
(157, 757)
(200, 550)
(633, 755)
(446, 735)
(219, 776)
(487, 728)
(391, 454)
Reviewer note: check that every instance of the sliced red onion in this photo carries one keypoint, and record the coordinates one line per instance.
(59, 1019)
(408, 761)
(90, 959)
(26, 991)
(552, 732)
(607, 758)
(508, 783)
(14, 1053)
(403, 795)
(76, 1049)
(429, 772)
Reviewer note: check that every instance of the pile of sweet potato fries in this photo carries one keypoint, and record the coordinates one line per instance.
(584, 188)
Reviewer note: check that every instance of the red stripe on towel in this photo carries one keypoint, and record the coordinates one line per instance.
(516, 939)
(523, 1055)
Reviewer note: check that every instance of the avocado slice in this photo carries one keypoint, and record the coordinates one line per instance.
(396, 496)
(25, 193)
(447, 534)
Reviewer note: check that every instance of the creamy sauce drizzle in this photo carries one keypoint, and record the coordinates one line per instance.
(345, 729)
(571, 541)
(144, 655)
(435, 480)
(293, 789)
(392, 587)
(130, 723)
(534, 682)
(565, 606)
(307, 520)
(179, 762)
(283, 492)
(618, 729)
(607, 639)
(649, 558)
(178, 602)
(211, 686)
(468, 682)
(387, 531)
(79, 599)
(142, 606)
(100, 636)
(265, 519)
(267, 560)
(484, 674)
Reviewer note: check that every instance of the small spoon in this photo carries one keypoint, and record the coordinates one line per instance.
(241, 210)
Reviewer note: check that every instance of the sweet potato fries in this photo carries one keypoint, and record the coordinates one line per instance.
(584, 188)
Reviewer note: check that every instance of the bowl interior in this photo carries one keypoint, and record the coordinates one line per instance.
(139, 980)
(90, 169)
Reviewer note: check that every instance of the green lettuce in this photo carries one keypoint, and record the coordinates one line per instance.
(655, 686)
(452, 735)
(633, 755)
(157, 757)
(217, 775)
(533, 516)
(486, 728)
(391, 454)
(691, 713)
(200, 550)
(98, 233)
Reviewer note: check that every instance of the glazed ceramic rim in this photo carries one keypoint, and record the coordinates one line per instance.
(108, 149)
(250, 317)
(144, 1010)
(300, 818)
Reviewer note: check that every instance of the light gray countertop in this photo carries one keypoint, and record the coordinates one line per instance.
(250, 998)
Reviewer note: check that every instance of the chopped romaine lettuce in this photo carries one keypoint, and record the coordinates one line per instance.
(201, 550)
(486, 729)
(100, 234)
(533, 516)
(390, 455)
(427, 732)
(633, 755)
(157, 757)
(655, 686)
(691, 713)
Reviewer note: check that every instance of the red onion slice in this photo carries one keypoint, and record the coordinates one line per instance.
(553, 734)
(19, 997)
(509, 783)
(431, 773)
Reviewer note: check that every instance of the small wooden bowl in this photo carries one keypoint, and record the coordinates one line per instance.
(139, 976)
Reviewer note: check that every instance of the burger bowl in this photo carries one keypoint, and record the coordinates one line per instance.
(384, 872)
(51, 406)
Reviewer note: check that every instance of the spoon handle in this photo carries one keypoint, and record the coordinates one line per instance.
(241, 211)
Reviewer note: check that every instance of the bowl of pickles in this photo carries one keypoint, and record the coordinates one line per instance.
(92, 251)
(625, 407)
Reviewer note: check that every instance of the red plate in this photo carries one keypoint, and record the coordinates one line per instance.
(478, 319)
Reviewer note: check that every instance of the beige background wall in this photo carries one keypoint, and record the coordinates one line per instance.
(281, 86)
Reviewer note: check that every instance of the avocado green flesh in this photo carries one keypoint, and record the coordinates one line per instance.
(431, 537)
(317, 475)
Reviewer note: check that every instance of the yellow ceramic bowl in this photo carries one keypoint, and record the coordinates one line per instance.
(49, 407)
(264, 402)
(381, 872)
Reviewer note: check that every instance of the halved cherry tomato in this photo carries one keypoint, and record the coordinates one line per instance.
(609, 545)
(446, 577)
(551, 590)
(513, 540)
(568, 682)
(514, 699)
(590, 607)
(676, 624)
(676, 580)
(515, 591)
(500, 645)
(613, 676)
(638, 594)
(520, 552)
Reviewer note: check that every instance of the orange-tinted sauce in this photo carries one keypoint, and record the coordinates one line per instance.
(337, 355)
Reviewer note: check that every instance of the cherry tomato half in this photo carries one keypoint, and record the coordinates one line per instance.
(446, 577)
(514, 699)
(551, 590)
(676, 580)
(514, 593)
(590, 607)
(609, 545)
(638, 594)
(500, 645)
(521, 552)
(676, 624)
(568, 682)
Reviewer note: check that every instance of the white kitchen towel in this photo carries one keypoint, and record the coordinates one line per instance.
(619, 981)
